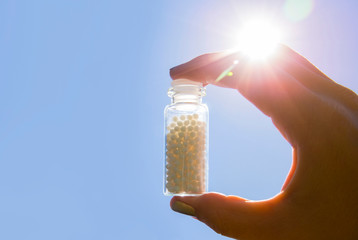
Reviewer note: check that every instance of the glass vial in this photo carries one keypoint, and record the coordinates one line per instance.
(186, 140)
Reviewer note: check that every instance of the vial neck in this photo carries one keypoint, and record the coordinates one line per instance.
(186, 98)
(186, 91)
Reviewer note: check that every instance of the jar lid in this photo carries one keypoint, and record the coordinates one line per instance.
(183, 82)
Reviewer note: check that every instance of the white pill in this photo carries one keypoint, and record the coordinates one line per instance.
(185, 156)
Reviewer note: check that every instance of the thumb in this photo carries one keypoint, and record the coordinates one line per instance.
(230, 215)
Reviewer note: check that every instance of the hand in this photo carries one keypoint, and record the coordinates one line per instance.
(319, 118)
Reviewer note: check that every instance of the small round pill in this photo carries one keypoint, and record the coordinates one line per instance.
(185, 146)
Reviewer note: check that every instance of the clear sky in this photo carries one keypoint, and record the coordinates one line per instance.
(82, 91)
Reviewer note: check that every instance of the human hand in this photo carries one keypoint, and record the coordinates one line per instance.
(319, 118)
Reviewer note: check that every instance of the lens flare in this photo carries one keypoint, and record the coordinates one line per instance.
(258, 39)
(297, 10)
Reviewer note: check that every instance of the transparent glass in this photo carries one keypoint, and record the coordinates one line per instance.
(186, 140)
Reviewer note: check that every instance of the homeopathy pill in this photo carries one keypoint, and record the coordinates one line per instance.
(188, 156)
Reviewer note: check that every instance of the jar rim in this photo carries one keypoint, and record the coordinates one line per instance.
(183, 81)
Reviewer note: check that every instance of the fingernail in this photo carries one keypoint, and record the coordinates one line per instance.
(183, 208)
(172, 71)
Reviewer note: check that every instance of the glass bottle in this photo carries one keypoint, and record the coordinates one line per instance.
(186, 140)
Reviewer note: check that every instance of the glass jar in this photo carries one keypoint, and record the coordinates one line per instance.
(186, 140)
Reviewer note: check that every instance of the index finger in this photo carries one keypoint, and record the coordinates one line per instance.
(268, 85)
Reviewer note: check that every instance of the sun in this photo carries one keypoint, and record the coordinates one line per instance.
(258, 38)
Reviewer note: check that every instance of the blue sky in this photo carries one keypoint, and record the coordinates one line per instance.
(82, 91)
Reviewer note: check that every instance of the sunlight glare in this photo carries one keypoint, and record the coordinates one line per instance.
(258, 39)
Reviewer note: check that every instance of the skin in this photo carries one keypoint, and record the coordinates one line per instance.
(319, 118)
